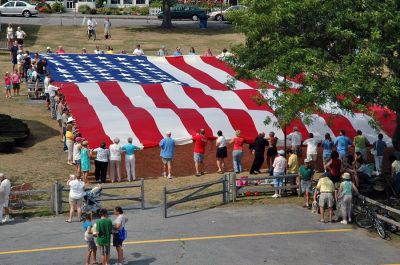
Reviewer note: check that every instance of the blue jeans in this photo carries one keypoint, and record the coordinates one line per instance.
(278, 182)
(237, 160)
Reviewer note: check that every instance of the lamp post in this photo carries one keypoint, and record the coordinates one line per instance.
(61, 7)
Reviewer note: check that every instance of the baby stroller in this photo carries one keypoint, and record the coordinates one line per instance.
(91, 200)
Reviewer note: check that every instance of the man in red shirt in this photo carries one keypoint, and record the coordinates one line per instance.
(199, 145)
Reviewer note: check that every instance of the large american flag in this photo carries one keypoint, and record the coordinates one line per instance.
(117, 95)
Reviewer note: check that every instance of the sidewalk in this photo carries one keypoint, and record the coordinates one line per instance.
(99, 16)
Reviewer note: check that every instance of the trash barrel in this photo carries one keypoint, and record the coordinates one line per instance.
(203, 23)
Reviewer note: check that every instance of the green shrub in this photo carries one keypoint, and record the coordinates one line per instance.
(144, 11)
(156, 3)
(93, 11)
(99, 3)
(135, 10)
(84, 9)
(58, 7)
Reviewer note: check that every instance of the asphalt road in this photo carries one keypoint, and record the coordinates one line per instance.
(236, 236)
(69, 19)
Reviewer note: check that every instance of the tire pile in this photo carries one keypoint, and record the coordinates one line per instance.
(13, 132)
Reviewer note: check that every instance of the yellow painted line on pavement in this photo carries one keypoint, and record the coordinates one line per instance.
(168, 240)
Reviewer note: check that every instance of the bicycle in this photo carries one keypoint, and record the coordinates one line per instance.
(367, 219)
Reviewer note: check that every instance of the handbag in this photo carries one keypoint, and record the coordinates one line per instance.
(122, 234)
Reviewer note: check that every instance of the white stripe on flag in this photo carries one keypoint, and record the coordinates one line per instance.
(166, 119)
(216, 73)
(178, 96)
(318, 127)
(259, 117)
(164, 65)
(114, 122)
(359, 121)
(217, 120)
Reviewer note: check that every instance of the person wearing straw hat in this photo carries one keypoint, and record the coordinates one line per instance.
(279, 165)
(306, 173)
(345, 194)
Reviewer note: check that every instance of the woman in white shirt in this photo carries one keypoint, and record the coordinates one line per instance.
(115, 160)
(76, 193)
(222, 152)
(101, 162)
(312, 149)
(76, 154)
(10, 35)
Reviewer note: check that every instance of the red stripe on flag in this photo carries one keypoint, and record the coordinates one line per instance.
(249, 98)
(338, 122)
(213, 61)
(191, 119)
(386, 119)
(239, 119)
(141, 122)
(300, 126)
(87, 121)
(201, 76)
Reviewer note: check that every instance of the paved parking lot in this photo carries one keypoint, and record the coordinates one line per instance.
(253, 235)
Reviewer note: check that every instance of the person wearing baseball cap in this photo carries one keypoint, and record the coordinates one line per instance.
(279, 165)
(306, 173)
(345, 193)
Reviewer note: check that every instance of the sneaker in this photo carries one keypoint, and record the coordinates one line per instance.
(164, 174)
(274, 196)
(169, 176)
(343, 222)
(8, 219)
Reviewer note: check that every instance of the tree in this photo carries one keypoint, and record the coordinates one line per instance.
(346, 53)
(167, 24)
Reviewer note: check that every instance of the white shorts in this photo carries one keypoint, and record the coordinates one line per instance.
(5, 204)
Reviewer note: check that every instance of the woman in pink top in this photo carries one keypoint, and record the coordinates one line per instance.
(237, 152)
(208, 53)
(7, 82)
(16, 79)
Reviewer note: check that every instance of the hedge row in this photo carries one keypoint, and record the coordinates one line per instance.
(135, 10)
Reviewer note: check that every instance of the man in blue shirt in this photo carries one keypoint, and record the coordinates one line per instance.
(167, 146)
(129, 150)
(342, 144)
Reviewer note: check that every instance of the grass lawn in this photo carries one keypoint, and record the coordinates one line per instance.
(42, 161)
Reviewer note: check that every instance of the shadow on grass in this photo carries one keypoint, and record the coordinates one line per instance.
(30, 30)
(39, 132)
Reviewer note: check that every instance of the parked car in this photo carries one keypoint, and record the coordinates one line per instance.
(186, 12)
(221, 15)
(18, 8)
